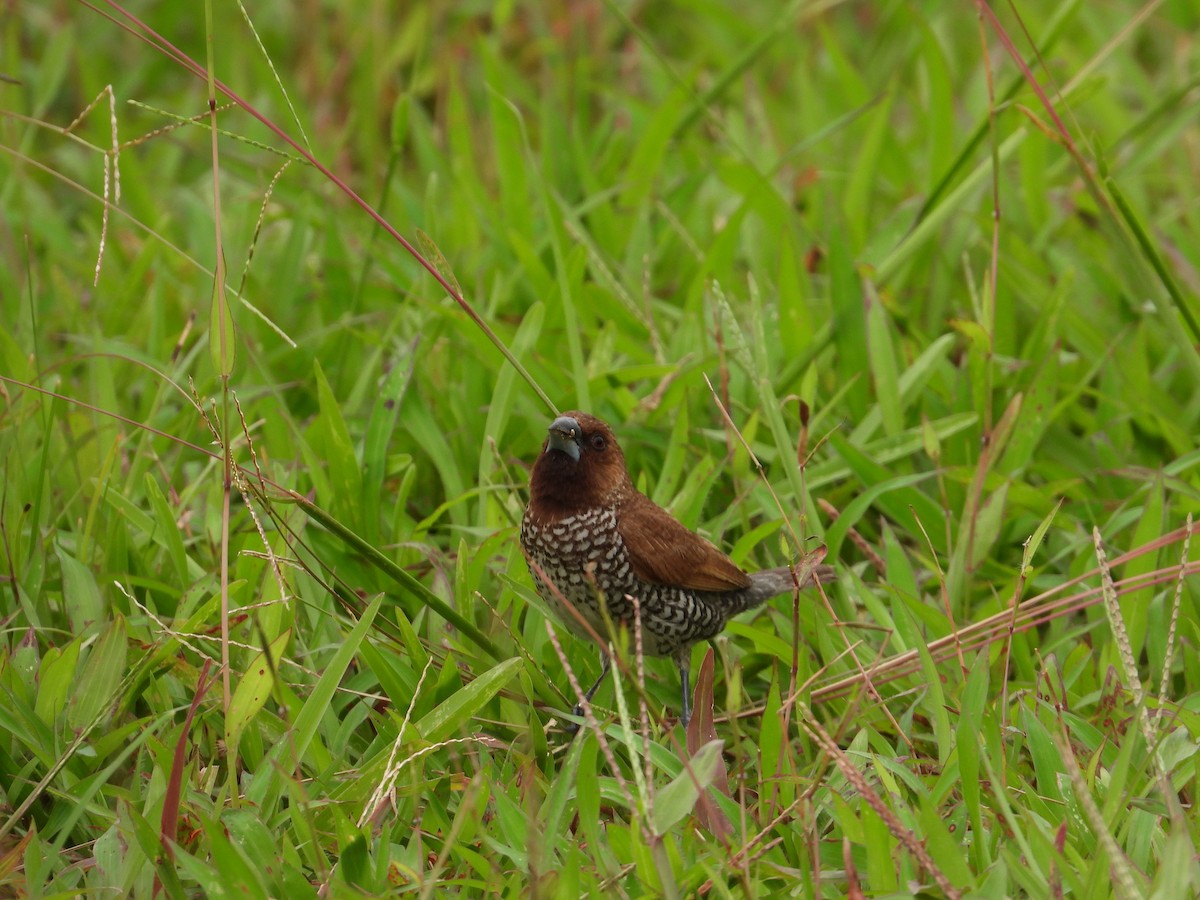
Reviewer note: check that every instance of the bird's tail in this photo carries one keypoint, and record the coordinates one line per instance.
(773, 582)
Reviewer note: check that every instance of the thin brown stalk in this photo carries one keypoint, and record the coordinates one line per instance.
(142, 31)
(643, 712)
(1032, 612)
(863, 788)
(1168, 657)
(1124, 881)
(595, 726)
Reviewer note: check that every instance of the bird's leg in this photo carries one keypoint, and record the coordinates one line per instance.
(685, 662)
(605, 665)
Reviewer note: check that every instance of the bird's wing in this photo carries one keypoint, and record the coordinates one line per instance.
(663, 551)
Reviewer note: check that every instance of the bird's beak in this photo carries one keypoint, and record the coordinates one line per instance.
(565, 435)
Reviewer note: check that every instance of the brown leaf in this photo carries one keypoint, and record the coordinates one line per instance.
(700, 731)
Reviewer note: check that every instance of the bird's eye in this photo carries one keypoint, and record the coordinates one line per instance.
(597, 441)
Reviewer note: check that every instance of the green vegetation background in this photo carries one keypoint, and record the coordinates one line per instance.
(949, 302)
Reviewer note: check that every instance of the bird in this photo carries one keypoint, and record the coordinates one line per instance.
(593, 541)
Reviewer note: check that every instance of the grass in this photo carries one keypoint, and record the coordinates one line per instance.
(266, 626)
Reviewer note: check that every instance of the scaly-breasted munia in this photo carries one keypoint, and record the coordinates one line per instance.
(591, 537)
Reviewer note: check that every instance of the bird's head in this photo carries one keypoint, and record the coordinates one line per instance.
(581, 466)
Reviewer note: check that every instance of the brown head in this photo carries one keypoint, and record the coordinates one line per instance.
(581, 466)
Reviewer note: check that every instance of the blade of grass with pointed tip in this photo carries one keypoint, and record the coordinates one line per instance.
(452, 714)
(252, 691)
(407, 582)
(679, 797)
(264, 790)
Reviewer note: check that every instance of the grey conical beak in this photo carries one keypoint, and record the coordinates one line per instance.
(565, 435)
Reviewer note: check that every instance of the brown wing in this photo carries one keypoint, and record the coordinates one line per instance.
(663, 551)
